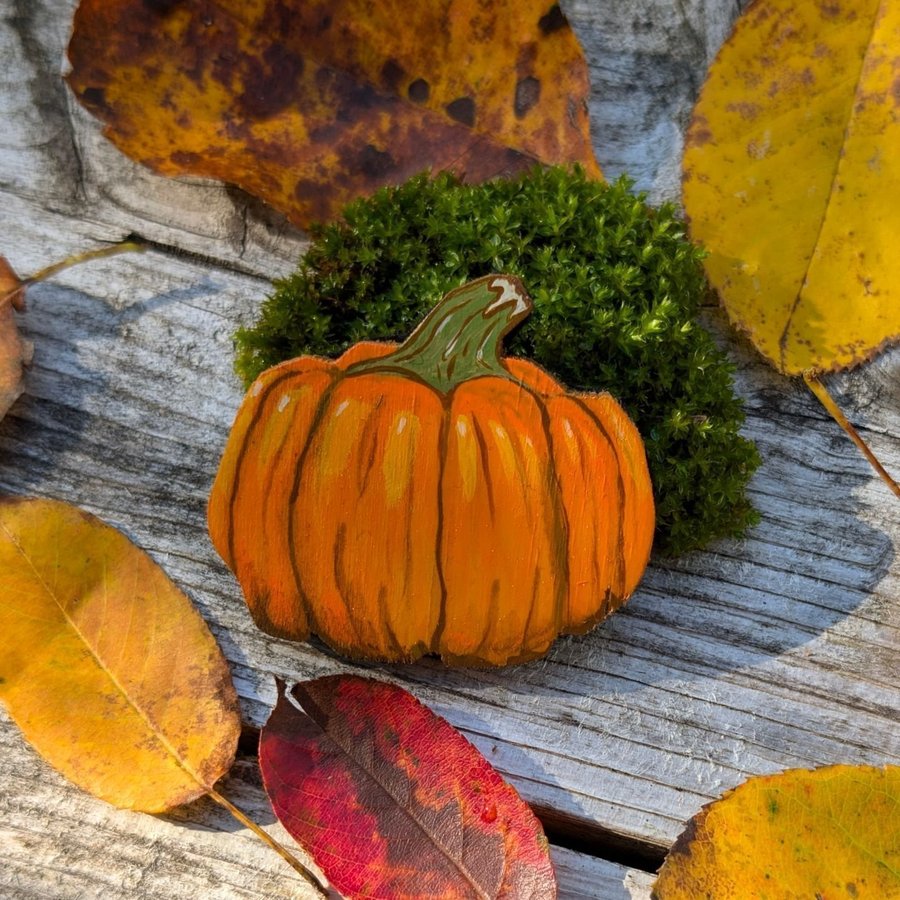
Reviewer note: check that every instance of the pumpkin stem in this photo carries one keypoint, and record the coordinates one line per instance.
(462, 337)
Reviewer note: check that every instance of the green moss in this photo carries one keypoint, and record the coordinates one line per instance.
(616, 288)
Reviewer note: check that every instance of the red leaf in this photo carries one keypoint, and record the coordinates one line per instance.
(392, 802)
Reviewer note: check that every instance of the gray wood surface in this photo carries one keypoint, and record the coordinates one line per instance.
(775, 651)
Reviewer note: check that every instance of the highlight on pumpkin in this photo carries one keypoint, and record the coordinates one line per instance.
(433, 497)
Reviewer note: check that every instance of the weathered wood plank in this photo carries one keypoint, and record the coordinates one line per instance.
(770, 652)
(779, 650)
(57, 841)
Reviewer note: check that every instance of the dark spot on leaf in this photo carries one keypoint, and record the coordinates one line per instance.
(162, 7)
(552, 20)
(352, 96)
(327, 133)
(325, 22)
(528, 92)
(462, 110)
(699, 133)
(95, 100)
(419, 91)
(392, 74)
(270, 84)
(682, 845)
(185, 158)
(526, 59)
(373, 163)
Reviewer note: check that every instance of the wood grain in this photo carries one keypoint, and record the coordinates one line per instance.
(775, 651)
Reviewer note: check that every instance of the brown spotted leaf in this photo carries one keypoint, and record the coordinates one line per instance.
(391, 801)
(15, 353)
(311, 104)
(106, 667)
(792, 180)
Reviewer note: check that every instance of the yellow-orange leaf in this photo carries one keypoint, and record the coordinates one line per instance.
(830, 833)
(104, 664)
(15, 353)
(311, 104)
(792, 179)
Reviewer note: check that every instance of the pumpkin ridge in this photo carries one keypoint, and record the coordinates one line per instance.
(559, 533)
(443, 440)
(411, 652)
(620, 486)
(266, 500)
(492, 606)
(324, 401)
(483, 451)
(423, 646)
(368, 437)
(337, 558)
(241, 455)
(561, 523)
(401, 652)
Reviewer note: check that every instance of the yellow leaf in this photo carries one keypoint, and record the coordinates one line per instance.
(830, 833)
(106, 667)
(792, 179)
(311, 104)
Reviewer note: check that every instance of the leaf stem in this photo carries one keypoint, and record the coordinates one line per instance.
(822, 395)
(77, 258)
(74, 260)
(291, 860)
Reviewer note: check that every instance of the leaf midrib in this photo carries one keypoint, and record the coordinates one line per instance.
(151, 726)
(801, 295)
(457, 864)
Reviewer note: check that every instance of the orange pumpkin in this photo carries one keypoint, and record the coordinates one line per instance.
(433, 498)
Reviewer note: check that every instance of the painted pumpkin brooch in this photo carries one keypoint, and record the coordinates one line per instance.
(433, 497)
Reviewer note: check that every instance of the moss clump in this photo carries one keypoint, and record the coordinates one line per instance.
(616, 288)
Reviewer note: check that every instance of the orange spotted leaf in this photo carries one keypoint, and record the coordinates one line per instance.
(15, 352)
(391, 801)
(106, 667)
(311, 104)
(828, 833)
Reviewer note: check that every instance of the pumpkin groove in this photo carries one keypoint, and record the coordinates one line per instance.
(432, 498)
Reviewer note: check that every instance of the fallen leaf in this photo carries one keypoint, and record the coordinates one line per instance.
(391, 801)
(792, 175)
(105, 665)
(309, 105)
(15, 353)
(829, 833)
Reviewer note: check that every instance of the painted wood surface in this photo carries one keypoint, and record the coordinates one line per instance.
(779, 650)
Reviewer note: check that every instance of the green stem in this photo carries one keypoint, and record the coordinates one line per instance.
(462, 337)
